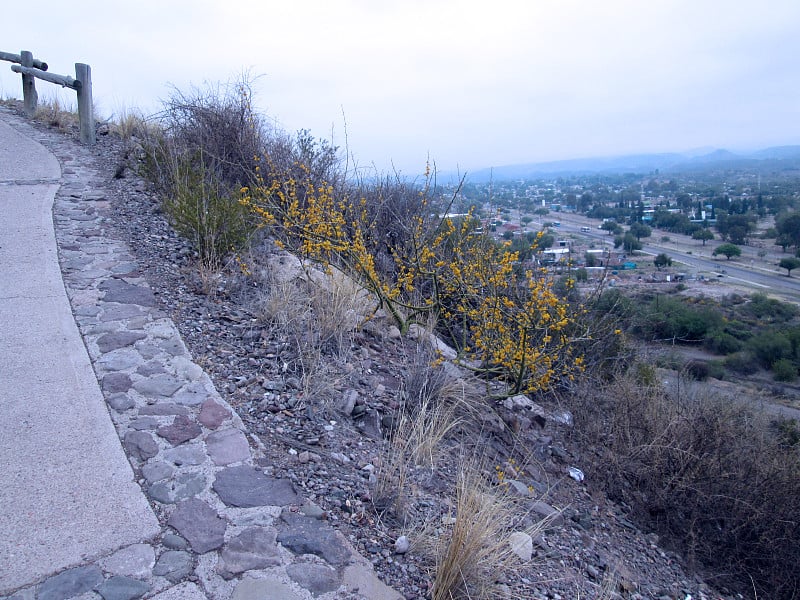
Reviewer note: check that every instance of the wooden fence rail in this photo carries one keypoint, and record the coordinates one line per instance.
(32, 69)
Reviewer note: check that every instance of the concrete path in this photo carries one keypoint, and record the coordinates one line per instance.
(67, 491)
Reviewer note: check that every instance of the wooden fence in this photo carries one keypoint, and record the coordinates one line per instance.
(32, 69)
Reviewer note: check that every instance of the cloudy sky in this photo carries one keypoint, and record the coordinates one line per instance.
(468, 84)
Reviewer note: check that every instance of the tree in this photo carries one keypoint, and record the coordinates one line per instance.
(789, 264)
(735, 228)
(703, 234)
(728, 250)
(628, 242)
(662, 260)
(610, 227)
(640, 230)
(788, 226)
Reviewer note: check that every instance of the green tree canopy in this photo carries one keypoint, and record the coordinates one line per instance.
(728, 250)
(789, 263)
(610, 227)
(640, 230)
(662, 260)
(788, 226)
(628, 242)
(735, 228)
(703, 234)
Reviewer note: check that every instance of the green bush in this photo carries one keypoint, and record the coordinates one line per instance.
(769, 347)
(741, 363)
(207, 215)
(672, 319)
(768, 309)
(784, 370)
(720, 342)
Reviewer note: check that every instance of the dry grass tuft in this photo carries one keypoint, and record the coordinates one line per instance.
(475, 547)
(129, 124)
(436, 407)
(475, 553)
(53, 112)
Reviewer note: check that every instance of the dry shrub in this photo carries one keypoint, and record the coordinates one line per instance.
(712, 476)
(340, 306)
(219, 123)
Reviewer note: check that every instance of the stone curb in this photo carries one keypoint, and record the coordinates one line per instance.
(229, 530)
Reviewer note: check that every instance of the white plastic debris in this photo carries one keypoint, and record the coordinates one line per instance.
(563, 417)
(576, 473)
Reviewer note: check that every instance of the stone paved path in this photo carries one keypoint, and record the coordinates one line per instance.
(226, 528)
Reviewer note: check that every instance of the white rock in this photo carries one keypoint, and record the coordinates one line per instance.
(402, 545)
(521, 545)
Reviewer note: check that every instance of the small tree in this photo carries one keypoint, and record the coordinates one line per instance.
(728, 250)
(703, 234)
(640, 230)
(610, 227)
(789, 264)
(628, 242)
(662, 260)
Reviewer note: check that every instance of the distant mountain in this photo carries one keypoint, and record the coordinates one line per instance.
(695, 160)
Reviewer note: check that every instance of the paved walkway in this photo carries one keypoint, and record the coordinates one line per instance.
(146, 484)
(66, 488)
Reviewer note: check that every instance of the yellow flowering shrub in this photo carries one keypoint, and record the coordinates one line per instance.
(505, 321)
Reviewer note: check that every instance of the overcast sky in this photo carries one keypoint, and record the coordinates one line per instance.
(470, 84)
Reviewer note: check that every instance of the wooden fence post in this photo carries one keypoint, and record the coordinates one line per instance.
(83, 75)
(29, 96)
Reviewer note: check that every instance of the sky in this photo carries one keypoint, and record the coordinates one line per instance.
(463, 84)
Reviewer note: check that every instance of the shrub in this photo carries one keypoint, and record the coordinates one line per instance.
(673, 319)
(697, 370)
(202, 211)
(707, 473)
(720, 342)
(217, 126)
(768, 309)
(769, 347)
(742, 363)
(784, 370)
(510, 321)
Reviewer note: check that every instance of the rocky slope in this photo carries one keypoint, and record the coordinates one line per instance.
(324, 412)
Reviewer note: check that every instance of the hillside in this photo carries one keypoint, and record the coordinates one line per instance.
(374, 429)
(325, 425)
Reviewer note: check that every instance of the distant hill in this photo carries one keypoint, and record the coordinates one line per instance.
(778, 157)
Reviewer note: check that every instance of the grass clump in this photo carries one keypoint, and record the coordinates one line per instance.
(475, 550)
